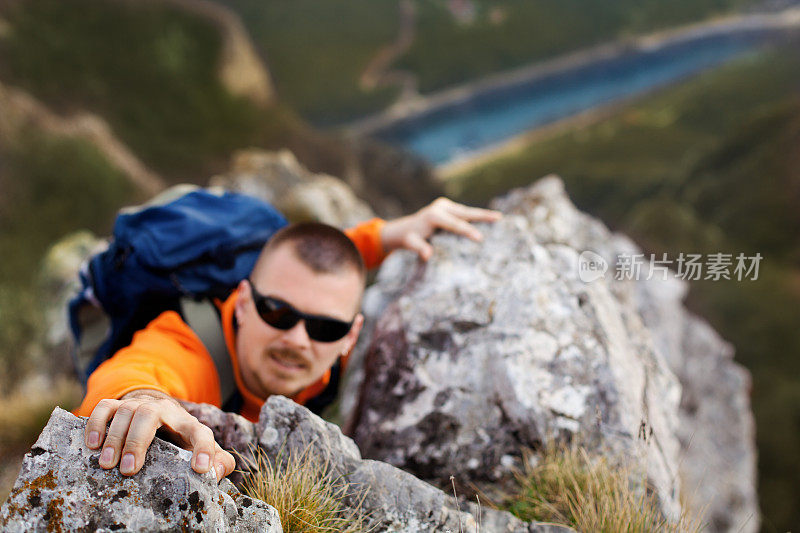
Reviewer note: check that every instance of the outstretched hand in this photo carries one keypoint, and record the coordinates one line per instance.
(412, 232)
(134, 421)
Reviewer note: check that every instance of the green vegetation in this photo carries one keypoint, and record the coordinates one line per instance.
(148, 69)
(509, 33)
(708, 166)
(51, 187)
(307, 496)
(567, 486)
(316, 51)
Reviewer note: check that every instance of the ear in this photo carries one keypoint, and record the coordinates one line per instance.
(352, 336)
(242, 300)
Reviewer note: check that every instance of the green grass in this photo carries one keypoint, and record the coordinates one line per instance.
(709, 165)
(446, 52)
(51, 187)
(567, 486)
(622, 159)
(317, 49)
(148, 69)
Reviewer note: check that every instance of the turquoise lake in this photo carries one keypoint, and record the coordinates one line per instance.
(487, 119)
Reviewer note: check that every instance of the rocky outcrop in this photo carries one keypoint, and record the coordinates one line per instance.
(394, 500)
(492, 347)
(716, 425)
(61, 487)
(278, 178)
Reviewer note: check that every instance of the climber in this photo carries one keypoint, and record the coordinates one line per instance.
(285, 327)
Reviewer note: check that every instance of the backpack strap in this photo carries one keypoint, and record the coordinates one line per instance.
(204, 319)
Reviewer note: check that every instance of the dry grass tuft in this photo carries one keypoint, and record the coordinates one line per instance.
(305, 493)
(569, 487)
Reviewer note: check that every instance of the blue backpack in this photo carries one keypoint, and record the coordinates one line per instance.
(180, 248)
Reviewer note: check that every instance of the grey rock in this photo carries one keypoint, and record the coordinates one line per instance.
(492, 347)
(280, 179)
(393, 499)
(59, 282)
(548, 528)
(60, 278)
(61, 487)
(231, 431)
(283, 424)
(717, 428)
(556, 358)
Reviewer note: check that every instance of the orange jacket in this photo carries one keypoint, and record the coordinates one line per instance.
(168, 356)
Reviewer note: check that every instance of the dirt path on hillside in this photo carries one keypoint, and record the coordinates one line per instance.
(377, 73)
(240, 68)
(19, 109)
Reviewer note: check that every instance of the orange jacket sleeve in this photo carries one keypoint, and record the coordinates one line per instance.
(166, 356)
(367, 238)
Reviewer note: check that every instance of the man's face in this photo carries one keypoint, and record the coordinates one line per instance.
(274, 361)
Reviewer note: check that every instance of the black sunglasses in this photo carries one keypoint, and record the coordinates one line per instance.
(281, 315)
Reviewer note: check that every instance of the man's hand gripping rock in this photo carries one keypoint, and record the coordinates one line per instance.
(136, 417)
(412, 232)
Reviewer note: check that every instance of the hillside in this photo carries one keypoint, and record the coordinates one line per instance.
(164, 98)
(316, 65)
(505, 34)
(38, 173)
(708, 166)
(164, 114)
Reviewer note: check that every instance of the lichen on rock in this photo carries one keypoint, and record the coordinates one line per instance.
(61, 487)
(489, 348)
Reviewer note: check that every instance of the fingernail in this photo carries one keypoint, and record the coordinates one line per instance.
(107, 456)
(126, 465)
(220, 471)
(203, 460)
(94, 439)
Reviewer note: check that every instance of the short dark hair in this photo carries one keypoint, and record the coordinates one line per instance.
(323, 248)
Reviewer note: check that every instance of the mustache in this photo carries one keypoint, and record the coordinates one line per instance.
(289, 354)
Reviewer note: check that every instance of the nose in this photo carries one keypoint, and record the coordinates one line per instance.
(297, 336)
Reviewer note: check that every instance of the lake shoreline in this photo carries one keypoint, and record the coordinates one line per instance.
(424, 106)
